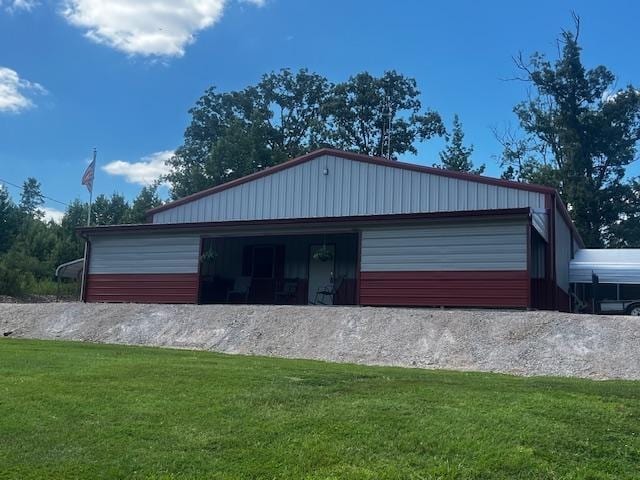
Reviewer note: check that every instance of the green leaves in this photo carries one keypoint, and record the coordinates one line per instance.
(31, 198)
(365, 111)
(456, 156)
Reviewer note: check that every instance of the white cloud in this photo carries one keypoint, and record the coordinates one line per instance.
(52, 214)
(145, 27)
(15, 91)
(611, 96)
(144, 172)
(15, 5)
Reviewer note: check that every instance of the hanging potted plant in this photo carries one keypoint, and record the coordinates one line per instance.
(323, 254)
(209, 257)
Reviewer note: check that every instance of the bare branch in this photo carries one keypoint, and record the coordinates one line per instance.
(576, 22)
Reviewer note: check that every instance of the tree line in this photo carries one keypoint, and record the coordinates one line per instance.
(32, 247)
(576, 131)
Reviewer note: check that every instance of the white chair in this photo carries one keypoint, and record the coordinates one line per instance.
(330, 291)
(241, 288)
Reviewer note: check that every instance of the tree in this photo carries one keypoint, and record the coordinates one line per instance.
(31, 199)
(70, 246)
(580, 134)
(110, 211)
(146, 200)
(625, 233)
(297, 120)
(456, 156)
(8, 220)
(362, 109)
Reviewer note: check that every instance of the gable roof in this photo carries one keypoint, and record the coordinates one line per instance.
(360, 158)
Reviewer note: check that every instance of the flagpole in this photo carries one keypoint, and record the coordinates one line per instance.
(91, 193)
(86, 242)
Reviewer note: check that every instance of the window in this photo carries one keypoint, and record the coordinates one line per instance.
(604, 291)
(263, 261)
(630, 292)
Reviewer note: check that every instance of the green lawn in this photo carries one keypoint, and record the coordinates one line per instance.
(73, 410)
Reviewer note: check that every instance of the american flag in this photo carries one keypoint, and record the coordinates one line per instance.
(87, 177)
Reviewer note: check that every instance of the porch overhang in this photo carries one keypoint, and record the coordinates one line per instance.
(302, 225)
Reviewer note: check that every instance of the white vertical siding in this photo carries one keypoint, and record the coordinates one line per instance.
(460, 246)
(563, 251)
(149, 253)
(350, 188)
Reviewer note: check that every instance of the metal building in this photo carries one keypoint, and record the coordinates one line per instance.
(343, 228)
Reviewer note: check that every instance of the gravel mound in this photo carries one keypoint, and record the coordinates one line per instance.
(521, 343)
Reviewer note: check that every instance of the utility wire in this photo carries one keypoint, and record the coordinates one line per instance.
(43, 196)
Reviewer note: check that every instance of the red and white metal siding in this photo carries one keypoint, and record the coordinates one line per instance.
(349, 188)
(467, 263)
(152, 268)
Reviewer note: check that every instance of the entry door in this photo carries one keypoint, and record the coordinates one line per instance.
(320, 272)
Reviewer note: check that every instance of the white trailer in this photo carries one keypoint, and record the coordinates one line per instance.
(606, 281)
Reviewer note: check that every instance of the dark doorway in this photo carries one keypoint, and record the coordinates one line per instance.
(538, 269)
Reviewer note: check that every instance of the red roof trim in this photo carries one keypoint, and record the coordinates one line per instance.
(349, 220)
(360, 158)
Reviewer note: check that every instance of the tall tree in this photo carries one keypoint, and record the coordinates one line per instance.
(366, 112)
(456, 156)
(580, 134)
(625, 233)
(146, 200)
(70, 246)
(31, 198)
(8, 220)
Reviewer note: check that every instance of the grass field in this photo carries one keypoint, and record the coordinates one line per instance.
(72, 410)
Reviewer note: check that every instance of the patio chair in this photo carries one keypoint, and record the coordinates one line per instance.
(328, 291)
(288, 293)
(241, 288)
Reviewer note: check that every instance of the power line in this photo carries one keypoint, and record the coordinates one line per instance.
(43, 196)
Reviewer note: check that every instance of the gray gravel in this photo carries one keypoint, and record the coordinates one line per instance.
(521, 343)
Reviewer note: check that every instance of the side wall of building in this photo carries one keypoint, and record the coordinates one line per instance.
(563, 253)
(457, 264)
(151, 268)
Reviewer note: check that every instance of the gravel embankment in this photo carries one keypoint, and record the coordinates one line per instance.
(521, 343)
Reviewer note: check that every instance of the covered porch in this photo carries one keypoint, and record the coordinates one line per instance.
(295, 269)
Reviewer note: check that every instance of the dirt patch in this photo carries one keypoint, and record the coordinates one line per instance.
(522, 343)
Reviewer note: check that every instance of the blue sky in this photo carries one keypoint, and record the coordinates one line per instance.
(119, 76)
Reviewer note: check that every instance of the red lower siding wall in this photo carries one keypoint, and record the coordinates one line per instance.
(448, 289)
(143, 288)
